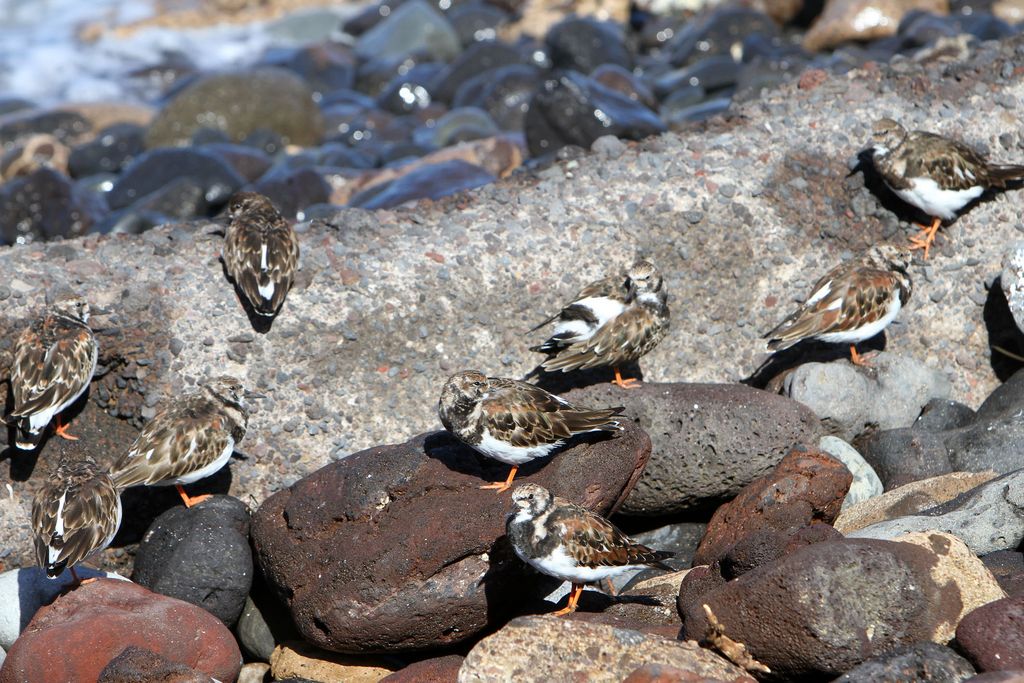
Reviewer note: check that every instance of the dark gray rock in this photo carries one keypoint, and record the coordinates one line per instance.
(710, 440)
(992, 439)
(291, 191)
(988, 518)
(200, 555)
(716, 33)
(1008, 568)
(414, 26)
(504, 93)
(940, 414)
(432, 181)
(109, 152)
(582, 44)
(572, 109)
(45, 205)
(920, 663)
(476, 59)
(154, 170)
(324, 67)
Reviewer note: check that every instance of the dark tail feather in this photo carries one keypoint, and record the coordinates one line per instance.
(1002, 174)
(24, 439)
(56, 569)
(656, 559)
(549, 320)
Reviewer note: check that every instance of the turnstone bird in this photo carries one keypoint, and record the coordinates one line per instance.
(76, 513)
(569, 542)
(54, 359)
(261, 252)
(938, 175)
(611, 322)
(851, 303)
(512, 421)
(188, 440)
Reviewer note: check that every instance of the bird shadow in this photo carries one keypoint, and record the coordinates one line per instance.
(890, 201)
(559, 382)
(773, 371)
(22, 462)
(458, 457)
(1005, 339)
(259, 323)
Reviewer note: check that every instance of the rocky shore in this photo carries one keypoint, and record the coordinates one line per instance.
(863, 523)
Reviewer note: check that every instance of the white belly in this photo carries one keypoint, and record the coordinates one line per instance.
(559, 565)
(926, 195)
(512, 455)
(867, 331)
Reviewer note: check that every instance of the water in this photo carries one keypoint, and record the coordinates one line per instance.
(42, 59)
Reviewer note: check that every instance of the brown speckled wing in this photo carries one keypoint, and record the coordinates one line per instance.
(857, 296)
(243, 258)
(525, 415)
(164, 450)
(592, 541)
(90, 516)
(626, 338)
(53, 360)
(950, 163)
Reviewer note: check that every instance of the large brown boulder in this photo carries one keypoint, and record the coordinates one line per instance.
(397, 548)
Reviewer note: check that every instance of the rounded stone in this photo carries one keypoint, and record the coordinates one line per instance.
(992, 636)
(156, 169)
(238, 104)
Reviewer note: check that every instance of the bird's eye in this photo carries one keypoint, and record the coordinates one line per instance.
(530, 496)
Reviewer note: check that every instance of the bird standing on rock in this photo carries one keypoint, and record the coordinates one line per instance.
(261, 252)
(611, 322)
(188, 440)
(852, 302)
(54, 360)
(561, 539)
(937, 175)
(512, 421)
(76, 513)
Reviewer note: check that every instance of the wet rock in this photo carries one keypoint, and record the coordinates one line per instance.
(710, 440)
(921, 663)
(410, 91)
(45, 205)
(476, 22)
(992, 636)
(292, 191)
(709, 74)
(461, 125)
(154, 170)
(718, 33)
(1008, 568)
(572, 109)
(863, 20)
(504, 93)
(324, 67)
(827, 607)
(23, 591)
(238, 104)
(988, 518)
(852, 400)
(181, 198)
(74, 638)
(110, 151)
(299, 660)
(1012, 282)
(432, 182)
(413, 27)
(696, 112)
(477, 59)
(624, 81)
(200, 555)
(387, 506)
(248, 162)
(522, 651)
(140, 664)
(909, 499)
(582, 44)
(436, 670)
(866, 483)
(66, 126)
(803, 488)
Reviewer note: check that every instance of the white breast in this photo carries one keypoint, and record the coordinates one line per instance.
(925, 194)
(513, 455)
(213, 467)
(561, 566)
(602, 308)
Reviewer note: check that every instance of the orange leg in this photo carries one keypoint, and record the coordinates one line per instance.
(500, 486)
(79, 581)
(574, 598)
(630, 383)
(61, 430)
(856, 358)
(190, 500)
(926, 238)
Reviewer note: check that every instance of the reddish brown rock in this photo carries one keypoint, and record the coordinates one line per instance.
(824, 608)
(436, 670)
(139, 665)
(992, 636)
(396, 548)
(804, 488)
(76, 637)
